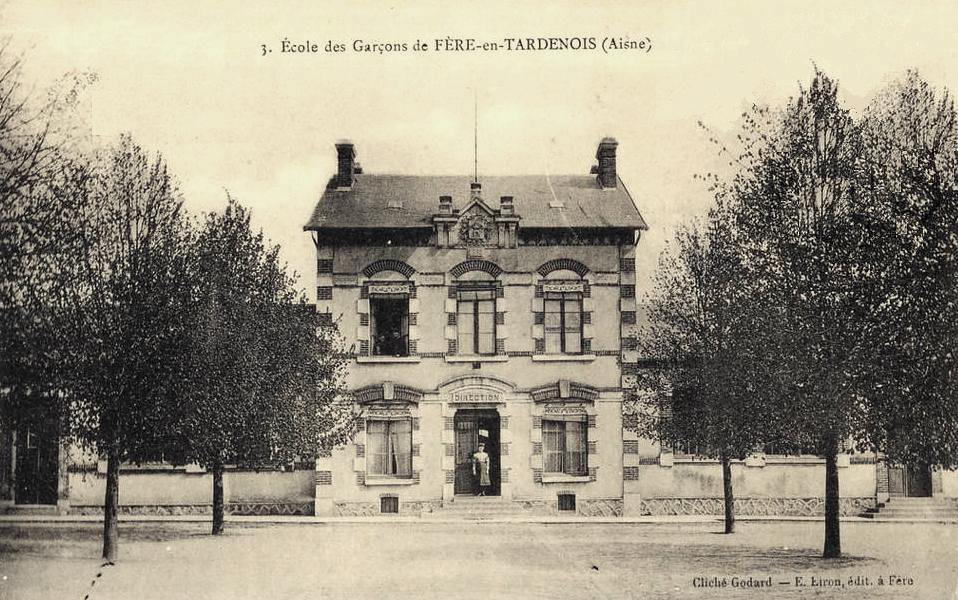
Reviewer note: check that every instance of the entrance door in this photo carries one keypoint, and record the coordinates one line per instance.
(474, 427)
(37, 462)
(909, 480)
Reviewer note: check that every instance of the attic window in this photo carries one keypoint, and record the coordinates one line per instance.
(394, 203)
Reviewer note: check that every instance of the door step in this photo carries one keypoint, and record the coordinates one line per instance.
(914, 509)
(477, 508)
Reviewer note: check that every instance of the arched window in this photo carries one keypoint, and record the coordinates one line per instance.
(476, 293)
(562, 292)
(389, 290)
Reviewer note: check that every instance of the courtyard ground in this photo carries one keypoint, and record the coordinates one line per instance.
(478, 560)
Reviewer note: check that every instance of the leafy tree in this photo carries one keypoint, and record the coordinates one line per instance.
(910, 153)
(264, 385)
(120, 313)
(702, 340)
(42, 177)
(798, 208)
(844, 233)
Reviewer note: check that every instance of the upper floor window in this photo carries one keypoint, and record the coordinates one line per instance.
(476, 318)
(563, 322)
(562, 292)
(389, 324)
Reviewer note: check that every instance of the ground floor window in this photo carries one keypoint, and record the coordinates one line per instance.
(567, 502)
(564, 447)
(389, 448)
(389, 504)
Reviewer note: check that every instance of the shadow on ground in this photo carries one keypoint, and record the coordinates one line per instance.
(84, 540)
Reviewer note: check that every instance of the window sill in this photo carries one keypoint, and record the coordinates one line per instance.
(563, 357)
(566, 479)
(388, 359)
(388, 481)
(480, 358)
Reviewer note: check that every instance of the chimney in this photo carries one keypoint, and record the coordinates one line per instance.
(475, 190)
(606, 157)
(506, 207)
(445, 205)
(346, 160)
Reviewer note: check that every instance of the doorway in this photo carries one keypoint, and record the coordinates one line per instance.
(37, 462)
(474, 427)
(910, 481)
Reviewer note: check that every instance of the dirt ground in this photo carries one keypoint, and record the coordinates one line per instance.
(479, 560)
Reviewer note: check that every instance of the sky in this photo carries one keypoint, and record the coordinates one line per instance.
(189, 80)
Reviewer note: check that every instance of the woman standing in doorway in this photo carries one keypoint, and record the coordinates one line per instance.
(480, 469)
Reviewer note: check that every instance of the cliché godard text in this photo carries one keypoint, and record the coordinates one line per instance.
(802, 581)
(607, 44)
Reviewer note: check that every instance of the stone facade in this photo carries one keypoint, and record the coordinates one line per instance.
(530, 389)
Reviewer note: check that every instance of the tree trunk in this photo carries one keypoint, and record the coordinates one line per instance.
(729, 498)
(111, 533)
(833, 540)
(218, 504)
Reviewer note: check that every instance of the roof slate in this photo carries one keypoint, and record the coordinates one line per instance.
(366, 203)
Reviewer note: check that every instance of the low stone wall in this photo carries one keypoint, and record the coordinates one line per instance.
(232, 508)
(604, 507)
(412, 508)
(782, 507)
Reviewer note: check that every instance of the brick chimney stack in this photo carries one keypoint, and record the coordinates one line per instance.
(475, 190)
(606, 157)
(346, 160)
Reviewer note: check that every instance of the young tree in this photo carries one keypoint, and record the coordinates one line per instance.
(264, 385)
(121, 313)
(702, 338)
(797, 205)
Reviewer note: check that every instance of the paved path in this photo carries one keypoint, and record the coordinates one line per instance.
(478, 560)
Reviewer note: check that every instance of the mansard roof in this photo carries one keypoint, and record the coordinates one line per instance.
(410, 201)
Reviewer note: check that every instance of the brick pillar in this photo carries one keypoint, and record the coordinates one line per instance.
(881, 479)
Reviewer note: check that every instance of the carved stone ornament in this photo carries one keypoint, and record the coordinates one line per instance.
(388, 412)
(388, 288)
(475, 229)
(564, 410)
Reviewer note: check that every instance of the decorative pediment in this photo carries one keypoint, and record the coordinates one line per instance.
(474, 388)
(565, 391)
(477, 225)
(387, 392)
